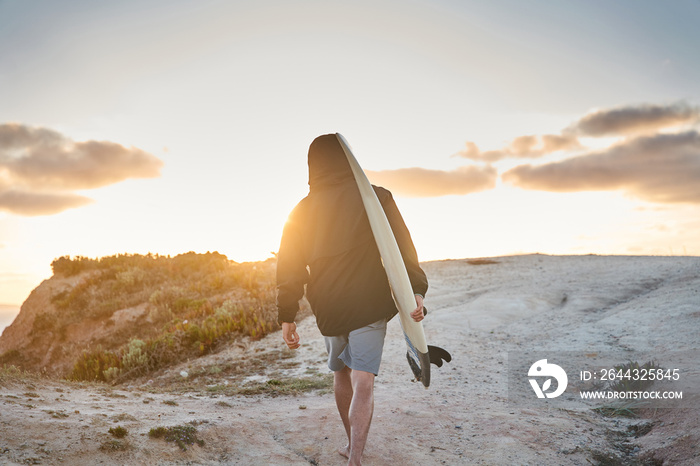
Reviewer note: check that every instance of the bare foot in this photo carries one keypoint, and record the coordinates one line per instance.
(345, 451)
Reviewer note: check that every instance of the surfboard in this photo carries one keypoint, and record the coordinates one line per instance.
(417, 347)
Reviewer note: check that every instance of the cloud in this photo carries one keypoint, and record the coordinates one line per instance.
(37, 164)
(660, 168)
(31, 204)
(636, 119)
(530, 146)
(630, 120)
(421, 182)
(45, 158)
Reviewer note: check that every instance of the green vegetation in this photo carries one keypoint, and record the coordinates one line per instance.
(625, 384)
(628, 408)
(481, 262)
(193, 303)
(181, 435)
(175, 287)
(624, 410)
(114, 445)
(289, 386)
(118, 432)
(13, 375)
(171, 310)
(57, 414)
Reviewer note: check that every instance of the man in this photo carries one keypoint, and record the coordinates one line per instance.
(327, 245)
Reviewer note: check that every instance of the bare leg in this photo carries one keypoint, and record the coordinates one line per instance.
(360, 415)
(342, 387)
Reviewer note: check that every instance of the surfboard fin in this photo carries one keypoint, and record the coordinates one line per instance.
(421, 367)
(437, 355)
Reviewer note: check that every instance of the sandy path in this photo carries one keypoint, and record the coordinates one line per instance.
(479, 313)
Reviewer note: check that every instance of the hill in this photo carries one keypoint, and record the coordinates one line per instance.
(123, 316)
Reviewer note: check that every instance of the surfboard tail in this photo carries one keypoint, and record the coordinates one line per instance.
(420, 366)
(420, 362)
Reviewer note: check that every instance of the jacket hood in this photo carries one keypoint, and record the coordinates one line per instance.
(328, 164)
(334, 205)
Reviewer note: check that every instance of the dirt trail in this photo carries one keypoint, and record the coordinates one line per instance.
(478, 312)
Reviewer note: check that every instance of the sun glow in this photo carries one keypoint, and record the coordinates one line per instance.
(236, 91)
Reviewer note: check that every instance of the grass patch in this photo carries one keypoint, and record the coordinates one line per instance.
(180, 435)
(114, 445)
(123, 417)
(617, 411)
(170, 402)
(604, 458)
(118, 432)
(291, 386)
(481, 262)
(11, 374)
(274, 387)
(626, 380)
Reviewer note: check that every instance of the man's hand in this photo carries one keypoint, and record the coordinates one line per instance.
(417, 314)
(290, 335)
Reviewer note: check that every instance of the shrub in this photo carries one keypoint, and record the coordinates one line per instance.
(135, 357)
(114, 445)
(181, 435)
(92, 366)
(111, 374)
(631, 384)
(130, 279)
(118, 432)
(68, 267)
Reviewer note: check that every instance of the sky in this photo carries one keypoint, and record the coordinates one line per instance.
(501, 127)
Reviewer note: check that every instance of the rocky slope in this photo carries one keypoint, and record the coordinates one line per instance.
(96, 307)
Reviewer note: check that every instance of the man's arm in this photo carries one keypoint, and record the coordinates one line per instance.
(416, 275)
(419, 282)
(291, 276)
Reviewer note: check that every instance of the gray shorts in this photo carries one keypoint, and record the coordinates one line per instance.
(360, 350)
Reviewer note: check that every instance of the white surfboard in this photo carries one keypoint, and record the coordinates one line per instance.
(418, 354)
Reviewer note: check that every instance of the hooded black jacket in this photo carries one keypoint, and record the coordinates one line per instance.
(327, 244)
